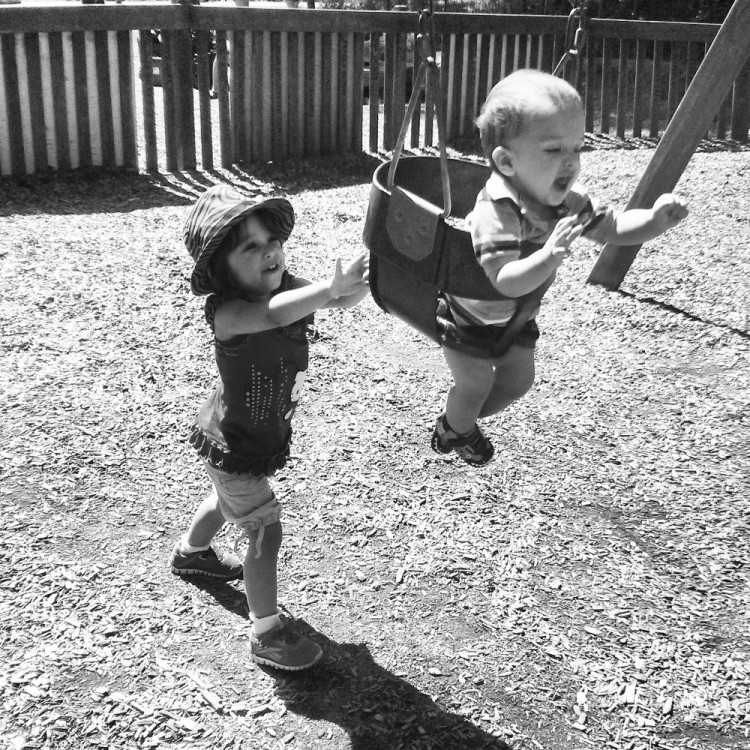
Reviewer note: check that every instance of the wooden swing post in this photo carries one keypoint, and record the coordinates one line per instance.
(722, 64)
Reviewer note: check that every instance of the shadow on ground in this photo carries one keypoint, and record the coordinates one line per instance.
(93, 191)
(377, 709)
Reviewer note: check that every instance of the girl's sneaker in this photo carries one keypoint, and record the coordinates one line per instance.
(222, 565)
(284, 648)
(473, 448)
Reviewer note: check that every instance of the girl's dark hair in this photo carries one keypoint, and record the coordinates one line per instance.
(220, 276)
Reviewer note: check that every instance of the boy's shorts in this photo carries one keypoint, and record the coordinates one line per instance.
(245, 500)
(483, 342)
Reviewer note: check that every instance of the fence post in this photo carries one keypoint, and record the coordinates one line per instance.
(713, 79)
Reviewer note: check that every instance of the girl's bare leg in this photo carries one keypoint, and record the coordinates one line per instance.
(260, 573)
(207, 522)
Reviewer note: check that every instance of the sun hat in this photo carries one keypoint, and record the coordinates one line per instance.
(212, 217)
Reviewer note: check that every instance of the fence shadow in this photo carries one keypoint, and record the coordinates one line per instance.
(88, 191)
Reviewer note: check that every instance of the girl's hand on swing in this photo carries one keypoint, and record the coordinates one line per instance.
(566, 231)
(669, 210)
(351, 278)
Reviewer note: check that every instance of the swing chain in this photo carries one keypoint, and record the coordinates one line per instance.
(425, 38)
(575, 37)
(425, 35)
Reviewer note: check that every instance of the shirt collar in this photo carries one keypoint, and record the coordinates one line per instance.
(498, 188)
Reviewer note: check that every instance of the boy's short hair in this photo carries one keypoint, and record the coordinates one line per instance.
(505, 111)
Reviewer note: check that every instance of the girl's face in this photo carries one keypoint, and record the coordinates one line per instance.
(257, 259)
(543, 161)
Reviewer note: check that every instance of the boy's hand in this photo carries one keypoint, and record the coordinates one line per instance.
(669, 210)
(558, 244)
(351, 278)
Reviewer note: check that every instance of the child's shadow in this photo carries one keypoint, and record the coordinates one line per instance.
(378, 710)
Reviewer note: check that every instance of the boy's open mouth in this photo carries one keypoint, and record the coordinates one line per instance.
(562, 183)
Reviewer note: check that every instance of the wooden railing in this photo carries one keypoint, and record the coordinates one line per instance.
(77, 85)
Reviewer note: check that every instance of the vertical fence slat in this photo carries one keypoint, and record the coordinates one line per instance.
(516, 52)
(490, 65)
(255, 93)
(622, 82)
(640, 56)
(449, 77)
(48, 101)
(5, 158)
(329, 75)
(655, 89)
(673, 84)
(605, 102)
(80, 87)
(296, 86)
(589, 86)
(237, 70)
(269, 119)
(222, 62)
(284, 94)
(359, 45)
(115, 100)
(464, 90)
(203, 43)
(104, 98)
(301, 120)
(252, 91)
(317, 92)
(372, 91)
(335, 71)
(183, 83)
(127, 98)
(17, 165)
(36, 104)
(389, 115)
(171, 125)
(146, 54)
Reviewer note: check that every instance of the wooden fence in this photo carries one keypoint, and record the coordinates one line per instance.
(78, 88)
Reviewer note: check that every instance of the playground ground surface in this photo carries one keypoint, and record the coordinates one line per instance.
(587, 589)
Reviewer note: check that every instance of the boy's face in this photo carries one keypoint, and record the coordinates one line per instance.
(257, 259)
(543, 161)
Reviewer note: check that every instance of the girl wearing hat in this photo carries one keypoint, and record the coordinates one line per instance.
(259, 314)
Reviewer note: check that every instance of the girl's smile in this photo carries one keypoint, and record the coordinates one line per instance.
(257, 260)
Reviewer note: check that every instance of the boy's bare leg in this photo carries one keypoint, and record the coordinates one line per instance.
(513, 377)
(473, 381)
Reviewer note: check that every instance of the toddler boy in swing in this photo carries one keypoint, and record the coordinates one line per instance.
(522, 226)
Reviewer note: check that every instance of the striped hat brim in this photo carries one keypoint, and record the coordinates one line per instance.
(212, 217)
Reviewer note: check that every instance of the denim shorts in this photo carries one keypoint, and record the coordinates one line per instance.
(245, 500)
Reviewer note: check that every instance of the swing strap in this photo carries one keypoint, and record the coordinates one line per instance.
(424, 37)
(575, 40)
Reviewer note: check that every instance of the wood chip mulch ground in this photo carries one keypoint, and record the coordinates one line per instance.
(587, 589)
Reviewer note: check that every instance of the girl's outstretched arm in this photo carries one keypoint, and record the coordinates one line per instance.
(236, 316)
